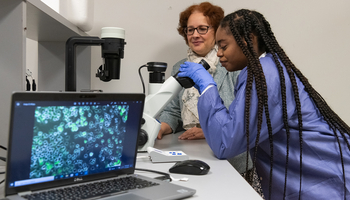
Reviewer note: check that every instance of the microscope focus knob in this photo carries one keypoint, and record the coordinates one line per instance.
(102, 74)
(143, 121)
(143, 137)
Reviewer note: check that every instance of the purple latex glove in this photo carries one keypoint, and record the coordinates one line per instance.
(198, 74)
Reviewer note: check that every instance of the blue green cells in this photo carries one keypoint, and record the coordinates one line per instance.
(41, 161)
(40, 133)
(92, 161)
(57, 163)
(49, 166)
(60, 128)
(72, 139)
(74, 127)
(111, 145)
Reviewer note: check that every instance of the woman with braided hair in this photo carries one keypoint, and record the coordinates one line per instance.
(299, 145)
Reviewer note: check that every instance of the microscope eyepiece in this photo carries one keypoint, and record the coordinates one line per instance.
(205, 64)
(186, 82)
(156, 70)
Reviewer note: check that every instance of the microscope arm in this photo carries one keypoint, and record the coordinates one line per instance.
(71, 75)
(154, 104)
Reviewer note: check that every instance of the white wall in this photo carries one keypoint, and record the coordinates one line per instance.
(315, 35)
(32, 60)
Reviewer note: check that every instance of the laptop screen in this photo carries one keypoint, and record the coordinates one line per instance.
(64, 137)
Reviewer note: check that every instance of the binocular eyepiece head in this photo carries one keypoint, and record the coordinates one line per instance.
(186, 82)
(156, 70)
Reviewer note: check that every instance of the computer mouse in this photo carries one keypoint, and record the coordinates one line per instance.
(193, 167)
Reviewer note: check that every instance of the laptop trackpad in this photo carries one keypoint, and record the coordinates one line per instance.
(127, 196)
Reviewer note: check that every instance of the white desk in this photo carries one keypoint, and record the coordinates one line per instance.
(222, 181)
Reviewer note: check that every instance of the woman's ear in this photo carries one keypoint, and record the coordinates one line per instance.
(244, 42)
(254, 39)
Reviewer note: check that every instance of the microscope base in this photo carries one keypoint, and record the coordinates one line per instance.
(151, 127)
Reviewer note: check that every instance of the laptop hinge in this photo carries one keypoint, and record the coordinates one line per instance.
(24, 193)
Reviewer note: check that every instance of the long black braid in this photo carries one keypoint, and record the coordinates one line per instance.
(242, 24)
(267, 41)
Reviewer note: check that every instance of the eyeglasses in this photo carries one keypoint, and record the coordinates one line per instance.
(202, 30)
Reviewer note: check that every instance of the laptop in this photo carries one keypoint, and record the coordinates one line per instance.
(68, 145)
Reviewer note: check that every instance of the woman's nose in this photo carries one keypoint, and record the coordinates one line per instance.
(195, 33)
(219, 53)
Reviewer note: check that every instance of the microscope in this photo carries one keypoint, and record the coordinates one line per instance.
(112, 43)
(160, 92)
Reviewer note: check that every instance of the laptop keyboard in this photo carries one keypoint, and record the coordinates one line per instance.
(92, 190)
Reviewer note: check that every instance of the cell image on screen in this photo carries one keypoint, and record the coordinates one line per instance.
(77, 139)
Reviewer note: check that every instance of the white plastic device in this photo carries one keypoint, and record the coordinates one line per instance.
(161, 95)
(157, 155)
